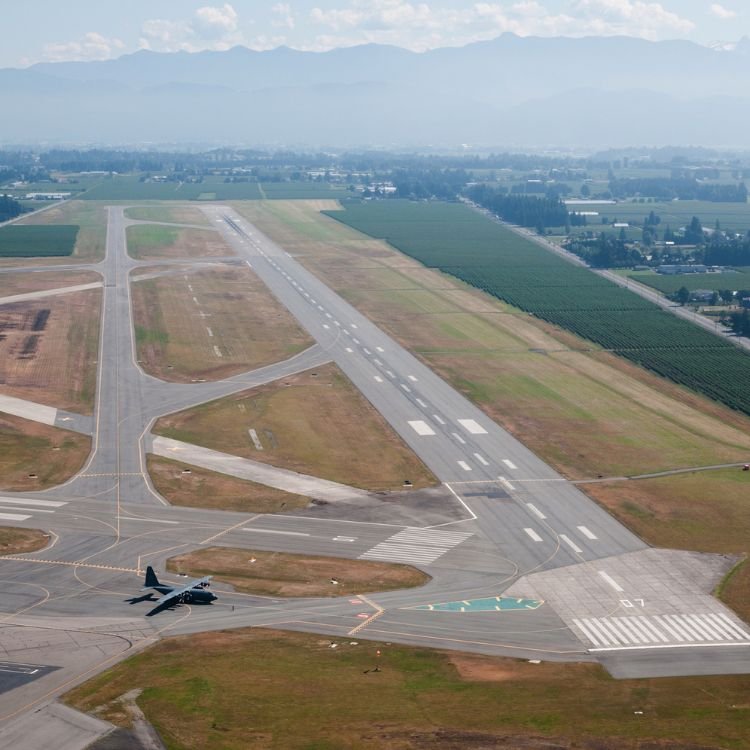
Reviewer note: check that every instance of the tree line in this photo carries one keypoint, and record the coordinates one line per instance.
(9, 208)
(525, 210)
(667, 188)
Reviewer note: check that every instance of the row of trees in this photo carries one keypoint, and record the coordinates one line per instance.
(666, 188)
(524, 210)
(9, 208)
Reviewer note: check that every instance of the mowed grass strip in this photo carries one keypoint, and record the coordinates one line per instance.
(20, 241)
(283, 574)
(159, 241)
(210, 325)
(194, 487)
(169, 214)
(315, 422)
(15, 541)
(34, 456)
(256, 689)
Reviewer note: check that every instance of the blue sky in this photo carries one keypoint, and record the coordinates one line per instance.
(38, 30)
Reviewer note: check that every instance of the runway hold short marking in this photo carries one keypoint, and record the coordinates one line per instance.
(586, 532)
(509, 464)
(464, 465)
(472, 426)
(421, 427)
(533, 535)
(420, 546)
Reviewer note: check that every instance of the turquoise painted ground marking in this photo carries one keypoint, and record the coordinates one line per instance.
(490, 604)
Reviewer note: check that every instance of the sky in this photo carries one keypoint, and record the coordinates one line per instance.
(53, 31)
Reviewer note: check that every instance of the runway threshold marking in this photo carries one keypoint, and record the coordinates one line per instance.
(587, 532)
(538, 513)
(533, 534)
(472, 426)
(421, 427)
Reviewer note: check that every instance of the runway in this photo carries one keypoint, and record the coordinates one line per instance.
(503, 525)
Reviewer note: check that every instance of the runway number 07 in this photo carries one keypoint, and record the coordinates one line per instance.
(628, 603)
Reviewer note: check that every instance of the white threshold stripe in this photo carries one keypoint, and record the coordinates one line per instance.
(28, 501)
(273, 531)
(586, 532)
(611, 581)
(459, 438)
(482, 460)
(412, 378)
(670, 645)
(533, 534)
(26, 510)
(571, 544)
(464, 465)
(13, 517)
(472, 426)
(538, 513)
(509, 464)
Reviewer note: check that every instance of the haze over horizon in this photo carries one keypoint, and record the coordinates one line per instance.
(45, 31)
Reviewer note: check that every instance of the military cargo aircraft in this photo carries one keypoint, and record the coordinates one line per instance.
(193, 592)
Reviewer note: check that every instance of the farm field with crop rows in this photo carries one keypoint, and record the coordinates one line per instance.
(457, 240)
(27, 241)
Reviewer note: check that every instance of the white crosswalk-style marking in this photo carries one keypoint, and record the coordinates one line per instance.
(416, 546)
(642, 631)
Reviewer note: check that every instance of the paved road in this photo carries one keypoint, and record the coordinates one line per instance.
(502, 523)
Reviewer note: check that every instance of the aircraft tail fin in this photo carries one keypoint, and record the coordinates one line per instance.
(151, 579)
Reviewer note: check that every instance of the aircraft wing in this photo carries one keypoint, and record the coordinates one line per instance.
(176, 593)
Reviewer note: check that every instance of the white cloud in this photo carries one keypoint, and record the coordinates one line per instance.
(210, 27)
(93, 46)
(721, 12)
(419, 26)
(282, 16)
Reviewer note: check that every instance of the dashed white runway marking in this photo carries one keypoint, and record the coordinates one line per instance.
(506, 484)
(482, 460)
(390, 374)
(538, 513)
(378, 379)
(587, 533)
(571, 544)
(611, 581)
(190, 287)
(464, 465)
(326, 326)
(533, 534)
(420, 546)
(366, 351)
(355, 340)
(661, 631)
(353, 325)
(405, 387)
(472, 426)
(459, 438)
(412, 378)
(509, 463)
(380, 349)
(209, 332)
(421, 427)
(195, 299)
(438, 419)
(421, 403)
(378, 362)
(29, 501)
(349, 350)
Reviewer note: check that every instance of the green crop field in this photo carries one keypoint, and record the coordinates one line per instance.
(302, 190)
(734, 280)
(461, 242)
(37, 241)
(675, 214)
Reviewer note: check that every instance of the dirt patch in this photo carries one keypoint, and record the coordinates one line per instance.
(315, 422)
(169, 214)
(48, 350)
(283, 574)
(211, 325)
(23, 283)
(14, 541)
(34, 456)
(193, 487)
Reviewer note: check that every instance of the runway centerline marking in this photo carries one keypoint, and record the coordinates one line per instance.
(587, 532)
(509, 463)
(533, 534)
(459, 438)
(464, 465)
(571, 544)
(538, 513)
(482, 460)
(438, 419)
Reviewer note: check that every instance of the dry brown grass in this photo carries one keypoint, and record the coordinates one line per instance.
(34, 456)
(284, 574)
(14, 541)
(177, 337)
(158, 242)
(255, 689)
(52, 360)
(201, 488)
(315, 422)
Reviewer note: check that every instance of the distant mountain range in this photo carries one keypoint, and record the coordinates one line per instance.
(509, 92)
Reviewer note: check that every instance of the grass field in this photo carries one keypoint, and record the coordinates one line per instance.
(91, 218)
(357, 446)
(301, 190)
(15, 541)
(468, 245)
(159, 242)
(283, 574)
(34, 456)
(129, 187)
(193, 487)
(675, 214)
(258, 689)
(169, 214)
(210, 324)
(21, 241)
(49, 349)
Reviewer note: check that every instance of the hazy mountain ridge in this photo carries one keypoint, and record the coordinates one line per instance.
(508, 91)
